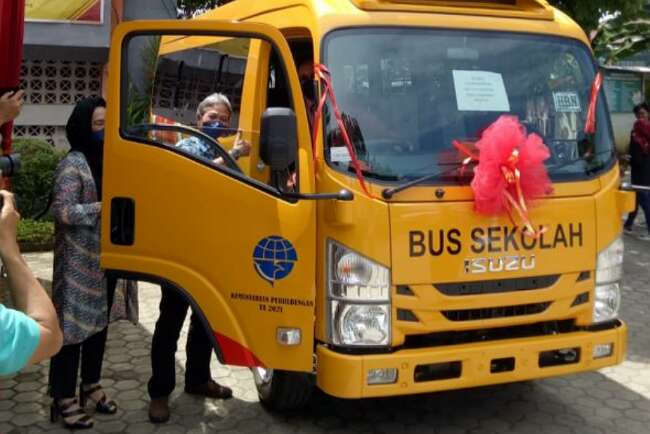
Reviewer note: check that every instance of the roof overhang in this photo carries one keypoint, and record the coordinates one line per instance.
(531, 9)
(644, 70)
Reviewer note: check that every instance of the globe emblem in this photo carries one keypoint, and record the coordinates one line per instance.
(274, 258)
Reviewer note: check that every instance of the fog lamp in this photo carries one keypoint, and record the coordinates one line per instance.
(382, 376)
(602, 350)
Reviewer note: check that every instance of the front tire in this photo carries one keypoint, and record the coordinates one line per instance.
(283, 390)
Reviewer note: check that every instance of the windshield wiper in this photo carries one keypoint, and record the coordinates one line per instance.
(388, 193)
(586, 158)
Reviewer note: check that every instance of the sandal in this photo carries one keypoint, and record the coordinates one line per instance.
(96, 394)
(74, 417)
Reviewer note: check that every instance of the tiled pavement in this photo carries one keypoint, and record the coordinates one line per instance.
(612, 401)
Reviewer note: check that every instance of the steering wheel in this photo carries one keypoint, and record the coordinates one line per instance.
(229, 162)
(383, 146)
(563, 150)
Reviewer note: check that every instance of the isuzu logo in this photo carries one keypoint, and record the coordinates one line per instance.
(499, 264)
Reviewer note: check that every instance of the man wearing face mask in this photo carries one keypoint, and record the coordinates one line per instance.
(213, 118)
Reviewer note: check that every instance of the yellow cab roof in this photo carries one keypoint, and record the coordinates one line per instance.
(321, 16)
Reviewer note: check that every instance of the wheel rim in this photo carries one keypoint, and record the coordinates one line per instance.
(265, 375)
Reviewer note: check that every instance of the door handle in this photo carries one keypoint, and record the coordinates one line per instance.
(122, 221)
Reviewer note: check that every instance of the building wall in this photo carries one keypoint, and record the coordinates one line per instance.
(65, 62)
(149, 9)
(640, 59)
(69, 41)
(62, 64)
(52, 88)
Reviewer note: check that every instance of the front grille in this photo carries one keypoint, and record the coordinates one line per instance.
(404, 290)
(406, 315)
(497, 286)
(469, 336)
(580, 299)
(495, 312)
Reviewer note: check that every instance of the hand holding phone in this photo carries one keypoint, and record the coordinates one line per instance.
(9, 218)
(9, 89)
(11, 103)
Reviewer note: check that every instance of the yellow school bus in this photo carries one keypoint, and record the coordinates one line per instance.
(401, 287)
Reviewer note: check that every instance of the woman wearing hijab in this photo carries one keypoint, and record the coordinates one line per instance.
(79, 291)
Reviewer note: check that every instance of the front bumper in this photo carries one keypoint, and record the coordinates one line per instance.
(344, 375)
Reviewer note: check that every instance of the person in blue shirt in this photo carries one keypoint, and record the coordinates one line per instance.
(30, 333)
(213, 117)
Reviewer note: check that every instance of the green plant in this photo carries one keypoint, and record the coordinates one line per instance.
(139, 100)
(189, 8)
(33, 183)
(614, 40)
(137, 109)
(35, 231)
(590, 13)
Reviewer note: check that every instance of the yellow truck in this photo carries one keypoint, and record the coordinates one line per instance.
(380, 281)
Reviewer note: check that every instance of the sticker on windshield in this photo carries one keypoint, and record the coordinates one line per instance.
(339, 154)
(566, 102)
(480, 91)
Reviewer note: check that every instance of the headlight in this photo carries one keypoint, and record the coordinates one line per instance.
(355, 277)
(358, 297)
(607, 302)
(607, 295)
(361, 324)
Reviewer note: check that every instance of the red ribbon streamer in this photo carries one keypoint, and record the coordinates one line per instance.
(463, 149)
(513, 178)
(590, 123)
(323, 74)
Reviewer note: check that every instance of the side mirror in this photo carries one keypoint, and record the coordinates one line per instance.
(278, 138)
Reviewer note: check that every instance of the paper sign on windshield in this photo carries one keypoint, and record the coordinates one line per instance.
(340, 154)
(480, 91)
(566, 102)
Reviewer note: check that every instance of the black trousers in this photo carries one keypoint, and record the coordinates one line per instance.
(173, 310)
(643, 201)
(64, 367)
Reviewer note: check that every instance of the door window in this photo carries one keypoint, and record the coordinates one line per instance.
(188, 94)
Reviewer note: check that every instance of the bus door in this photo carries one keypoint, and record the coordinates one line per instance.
(186, 99)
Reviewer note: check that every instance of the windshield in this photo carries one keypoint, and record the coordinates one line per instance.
(407, 94)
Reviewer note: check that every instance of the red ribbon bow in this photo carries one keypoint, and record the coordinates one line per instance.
(510, 171)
